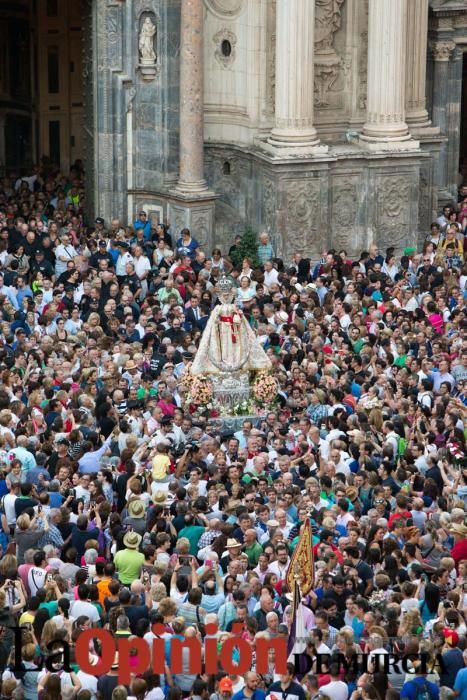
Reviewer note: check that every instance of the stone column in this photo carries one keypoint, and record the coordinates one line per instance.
(442, 52)
(191, 204)
(385, 127)
(415, 74)
(191, 178)
(294, 133)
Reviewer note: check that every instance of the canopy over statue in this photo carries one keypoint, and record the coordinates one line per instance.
(228, 343)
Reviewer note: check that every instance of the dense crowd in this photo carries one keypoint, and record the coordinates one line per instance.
(121, 508)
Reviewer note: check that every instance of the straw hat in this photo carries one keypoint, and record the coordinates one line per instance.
(130, 364)
(132, 540)
(136, 509)
(232, 543)
(159, 498)
(458, 529)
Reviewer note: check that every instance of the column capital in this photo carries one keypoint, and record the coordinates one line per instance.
(442, 50)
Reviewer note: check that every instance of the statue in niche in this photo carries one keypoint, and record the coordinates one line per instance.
(327, 23)
(146, 42)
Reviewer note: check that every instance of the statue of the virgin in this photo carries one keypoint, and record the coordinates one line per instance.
(228, 343)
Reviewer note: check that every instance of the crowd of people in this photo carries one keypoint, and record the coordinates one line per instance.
(121, 508)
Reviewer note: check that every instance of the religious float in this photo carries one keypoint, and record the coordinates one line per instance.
(230, 378)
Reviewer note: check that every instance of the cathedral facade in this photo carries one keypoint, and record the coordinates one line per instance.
(324, 122)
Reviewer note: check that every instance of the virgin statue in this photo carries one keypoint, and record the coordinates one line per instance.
(228, 343)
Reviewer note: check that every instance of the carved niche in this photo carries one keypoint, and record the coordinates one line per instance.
(303, 217)
(328, 64)
(393, 210)
(225, 42)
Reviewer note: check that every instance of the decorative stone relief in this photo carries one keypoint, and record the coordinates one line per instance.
(146, 46)
(225, 42)
(200, 224)
(271, 61)
(303, 217)
(425, 200)
(226, 9)
(327, 62)
(344, 207)
(393, 210)
(363, 61)
(269, 204)
(442, 50)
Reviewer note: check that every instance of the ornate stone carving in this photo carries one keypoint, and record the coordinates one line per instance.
(325, 78)
(344, 212)
(303, 215)
(425, 200)
(226, 9)
(393, 210)
(269, 204)
(146, 46)
(442, 50)
(200, 226)
(225, 42)
(327, 23)
(327, 62)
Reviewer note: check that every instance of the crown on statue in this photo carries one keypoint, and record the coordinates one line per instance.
(224, 285)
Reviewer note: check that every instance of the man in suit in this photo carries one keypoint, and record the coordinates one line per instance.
(193, 314)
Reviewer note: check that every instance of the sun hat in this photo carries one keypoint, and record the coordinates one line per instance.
(132, 540)
(136, 509)
(159, 498)
(232, 543)
(458, 529)
(130, 364)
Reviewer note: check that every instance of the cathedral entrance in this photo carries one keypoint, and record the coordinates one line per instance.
(41, 84)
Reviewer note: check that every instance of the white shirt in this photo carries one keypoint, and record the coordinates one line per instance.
(335, 690)
(88, 682)
(121, 264)
(36, 579)
(82, 607)
(63, 251)
(9, 508)
(271, 277)
(142, 265)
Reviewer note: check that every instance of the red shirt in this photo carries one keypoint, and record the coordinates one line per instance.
(399, 516)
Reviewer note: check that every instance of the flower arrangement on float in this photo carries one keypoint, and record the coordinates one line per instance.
(265, 388)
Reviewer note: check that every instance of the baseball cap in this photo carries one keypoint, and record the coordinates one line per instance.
(102, 244)
(225, 684)
(99, 220)
(451, 637)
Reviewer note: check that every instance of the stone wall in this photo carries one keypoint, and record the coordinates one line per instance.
(132, 117)
(344, 201)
